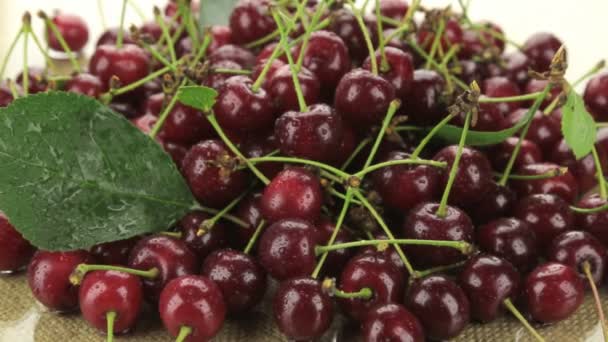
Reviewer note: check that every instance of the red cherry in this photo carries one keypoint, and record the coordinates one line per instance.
(37, 78)
(541, 48)
(249, 211)
(583, 169)
(15, 251)
(129, 63)
(547, 215)
(327, 57)
(516, 67)
(109, 36)
(451, 36)
(282, 90)
(216, 80)
(502, 87)
(511, 239)
(220, 36)
(574, 248)
(394, 9)
(251, 20)
(259, 146)
(202, 245)
(564, 185)
(400, 72)
(85, 84)
(114, 253)
(425, 104)
(391, 322)
(594, 223)
(595, 96)
(73, 29)
(545, 130)
(498, 201)
(6, 95)
(529, 153)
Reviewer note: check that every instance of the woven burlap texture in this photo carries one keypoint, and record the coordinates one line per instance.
(23, 320)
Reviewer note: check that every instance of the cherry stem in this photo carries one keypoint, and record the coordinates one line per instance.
(388, 118)
(596, 297)
(436, 43)
(462, 246)
(409, 15)
(414, 45)
(509, 305)
(208, 224)
(409, 161)
(549, 174)
(110, 319)
(186, 14)
(81, 271)
(218, 129)
(320, 165)
(202, 52)
(356, 152)
(431, 134)
(184, 332)
(152, 50)
(107, 97)
(442, 210)
(366, 37)
(596, 68)
(26, 72)
(292, 65)
(64, 45)
(530, 116)
(254, 237)
(163, 116)
(177, 235)
(441, 269)
(525, 97)
(365, 294)
(10, 52)
(226, 217)
(45, 54)
(384, 65)
(102, 15)
(387, 231)
(165, 32)
(121, 33)
(13, 88)
(342, 196)
(599, 173)
(231, 71)
(497, 35)
(306, 37)
(578, 210)
(551, 107)
(334, 234)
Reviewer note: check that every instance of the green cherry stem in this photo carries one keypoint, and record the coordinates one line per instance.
(356, 152)
(409, 15)
(525, 97)
(436, 43)
(110, 319)
(10, 52)
(123, 90)
(363, 294)
(509, 305)
(26, 72)
(596, 297)
(165, 31)
(208, 224)
(202, 51)
(184, 332)
(320, 165)
(442, 210)
(218, 129)
(120, 35)
(589, 210)
(431, 134)
(497, 35)
(409, 161)
(342, 196)
(231, 71)
(81, 271)
(596, 68)
(64, 45)
(292, 65)
(306, 37)
(334, 235)
(388, 118)
(384, 65)
(163, 116)
(43, 51)
(414, 45)
(599, 173)
(441, 269)
(462, 246)
(549, 174)
(177, 235)
(226, 217)
(368, 41)
(387, 231)
(539, 100)
(254, 237)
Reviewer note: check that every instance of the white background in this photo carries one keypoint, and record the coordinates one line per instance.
(581, 24)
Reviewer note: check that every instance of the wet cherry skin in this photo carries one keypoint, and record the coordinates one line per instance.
(251, 20)
(564, 185)
(498, 201)
(282, 90)
(391, 322)
(15, 251)
(594, 223)
(129, 63)
(545, 130)
(327, 57)
(547, 215)
(114, 253)
(425, 104)
(400, 71)
(595, 96)
(540, 48)
(203, 245)
(574, 248)
(73, 29)
(510, 239)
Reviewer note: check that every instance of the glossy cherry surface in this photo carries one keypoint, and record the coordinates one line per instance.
(334, 264)
(425, 104)
(511, 239)
(400, 71)
(553, 292)
(108, 37)
(545, 130)
(113, 253)
(547, 215)
(302, 309)
(529, 153)
(594, 223)
(584, 169)
(498, 201)
(235, 53)
(102, 292)
(186, 126)
(294, 193)
(85, 84)
(15, 251)
(282, 90)
(540, 48)
(72, 28)
(38, 81)
(391, 322)
(192, 301)
(251, 20)
(129, 63)
(563, 185)
(327, 57)
(452, 35)
(595, 96)
(170, 256)
(441, 306)
(345, 25)
(501, 87)
(48, 276)
(516, 67)
(574, 248)
(215, 237)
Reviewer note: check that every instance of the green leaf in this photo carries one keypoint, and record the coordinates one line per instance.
(215, 12)
(452, 133)
(73, 174)
(199, 97)
(578, 126)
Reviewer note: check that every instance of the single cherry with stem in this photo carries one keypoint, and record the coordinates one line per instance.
(73, 29)
(213, 238)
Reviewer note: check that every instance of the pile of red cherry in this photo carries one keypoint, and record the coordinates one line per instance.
(527, 239)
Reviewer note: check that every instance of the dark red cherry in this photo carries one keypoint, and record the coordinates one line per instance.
(535, 85)
(152, 30)
(48, 276)
(249, 211)
(176, 151)
(6, 95)
(114, 253)
(170, 256)
(302, 309)
(15, 251)
(488, 281)
(195, 302)
(327, 57)
(334, 264)
(441, 306)
(452, 35)
(583, 170)
(516, 66)
(375, 272)
(479, 42)
(282, 90)
(240, 55)
(345, 25)
(216, 80)
(203, 245)
(240, 108)
(37, 78)
(314, 134)
(425, 103)
(564, 185)
(186, 126)
(390, 253)
(129, 63)
(529, 153)
(394, 9)
(347, 145)
(391, 322)
(128, 110)
(547, 215)
(471, 71)
(183, 47)
(109, 36)
(489, 119)
(595, 96)
(404, 186)
(473, 177)
(400, 71)
(275, 65)
(267, 51)
(553, 292)
(251, 20)
(287, 248)
(211, 183)
(574, 248)
(220, 36)
(501, 87)
(102, 292)
(498, 201)
(540, 48)
(545, 130)
(594, 223)
(85, 84)
(294, 193)
(154, 104)
(73, 29)
(423, 223)
(239, 276)
(260, 146)
(511, 239)
(363, 98)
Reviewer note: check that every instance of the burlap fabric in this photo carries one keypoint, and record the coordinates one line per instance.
(23, 320)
